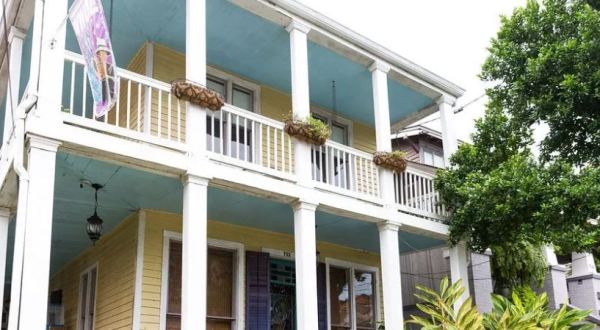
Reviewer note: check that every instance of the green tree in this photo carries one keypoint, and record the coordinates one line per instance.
(546, 61)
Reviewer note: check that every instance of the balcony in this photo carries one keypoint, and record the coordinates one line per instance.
(146, 112)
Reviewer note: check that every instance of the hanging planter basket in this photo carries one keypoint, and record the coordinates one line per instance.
(395, 161)
(194, 93)
(308, 131)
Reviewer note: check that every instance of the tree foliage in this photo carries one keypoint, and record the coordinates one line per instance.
(546, 61)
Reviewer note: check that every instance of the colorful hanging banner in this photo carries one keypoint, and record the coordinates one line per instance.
(89, 24)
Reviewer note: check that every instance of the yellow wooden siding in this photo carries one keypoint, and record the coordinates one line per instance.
(252, 239)
(115, 255)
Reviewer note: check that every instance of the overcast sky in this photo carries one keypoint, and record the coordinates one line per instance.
(446, 37)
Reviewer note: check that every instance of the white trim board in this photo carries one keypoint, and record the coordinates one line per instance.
(139, 271)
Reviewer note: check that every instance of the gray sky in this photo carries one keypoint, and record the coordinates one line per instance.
(446, 37)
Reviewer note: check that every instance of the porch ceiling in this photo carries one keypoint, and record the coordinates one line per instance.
(246, 44)
(128, 190)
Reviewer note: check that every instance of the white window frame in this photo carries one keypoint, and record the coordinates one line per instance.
(87, 271)
(423, 146)
(239, 269)
(353, 267)
(231, 80)
(338, 119)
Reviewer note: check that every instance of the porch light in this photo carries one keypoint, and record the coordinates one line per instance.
(94, 223)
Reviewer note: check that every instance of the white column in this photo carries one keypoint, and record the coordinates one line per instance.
(38, 226)
(582, 264)
(300, 95)
(15, 38)
(445, 105)
(193, 293)
(4, 221)
(305, 251)
(383, 135)
(459, 269)
(195, 70)
(390, 275)
(51, 49)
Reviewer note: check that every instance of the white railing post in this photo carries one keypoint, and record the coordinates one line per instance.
(459, 269)
(300, 96)
(47, 55)
(37, 243)
(445, 104)
(4, 220)
(15, 38)
(306, 265)
(149, 72)
(383, 135)
(195, 70)
(391, 275)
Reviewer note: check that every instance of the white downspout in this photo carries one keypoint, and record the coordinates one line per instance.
(15, 294)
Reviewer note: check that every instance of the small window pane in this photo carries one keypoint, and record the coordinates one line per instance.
(243, 98)
(217, 85)
(220, 283)
(427, 157)
(339, 133)
(438, 160)
(339, 293)
(364, 298)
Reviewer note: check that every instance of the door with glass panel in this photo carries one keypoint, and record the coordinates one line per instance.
(351, 299)
(227, 133)
(283, 294)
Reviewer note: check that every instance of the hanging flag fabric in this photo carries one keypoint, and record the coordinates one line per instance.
(91, 30)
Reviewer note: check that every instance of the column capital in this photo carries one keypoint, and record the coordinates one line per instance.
(378, 65)
(446, 99)
(194, 179)
(296, 24)
(304, 205)
(388, 225)
(15, 32)
(39, 142)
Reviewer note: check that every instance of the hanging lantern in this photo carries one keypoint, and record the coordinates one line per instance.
(94, 223)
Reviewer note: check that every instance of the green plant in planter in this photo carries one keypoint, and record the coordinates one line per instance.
(309, 129)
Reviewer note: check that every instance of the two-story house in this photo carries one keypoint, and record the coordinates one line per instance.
(211, 219)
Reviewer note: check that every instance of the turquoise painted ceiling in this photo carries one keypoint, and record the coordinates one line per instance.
(127, 190)
(246, 44)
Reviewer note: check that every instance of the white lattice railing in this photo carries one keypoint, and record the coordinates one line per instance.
(144, 105)
(346, 168)
(415, 191)
(250, 138)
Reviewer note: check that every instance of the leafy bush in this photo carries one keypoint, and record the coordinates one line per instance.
(525, 310)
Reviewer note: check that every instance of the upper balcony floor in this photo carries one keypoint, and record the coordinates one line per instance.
(249, 60)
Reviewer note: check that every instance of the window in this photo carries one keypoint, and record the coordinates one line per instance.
(341, 128)
(432, 156)
(222, 280)
(236, 91)
(87, 299)
(351, 296)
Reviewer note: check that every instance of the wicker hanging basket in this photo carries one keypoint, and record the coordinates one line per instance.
(194, 93)
(303, 131)
(394, 161)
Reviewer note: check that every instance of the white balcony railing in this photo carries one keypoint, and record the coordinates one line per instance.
(145, 108)
(250, 139)
(415, 192)
(346, 168)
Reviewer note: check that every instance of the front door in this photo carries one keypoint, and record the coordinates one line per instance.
(283, 294)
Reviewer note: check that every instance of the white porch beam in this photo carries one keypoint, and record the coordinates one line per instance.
(15, 38)
(305, 251)
(390, 274)
(459, 269)
(4, 221)
(381, 107)
(194, 257)
(38, 226)
(449, 141)
(300, 95)
(195, 70)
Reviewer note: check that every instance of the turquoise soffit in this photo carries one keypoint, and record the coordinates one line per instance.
(241, 42)
(128, 190)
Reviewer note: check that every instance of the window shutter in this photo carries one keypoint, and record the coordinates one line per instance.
(258, 295)
(322, 295)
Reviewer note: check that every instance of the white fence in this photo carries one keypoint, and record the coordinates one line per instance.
(415, 191)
